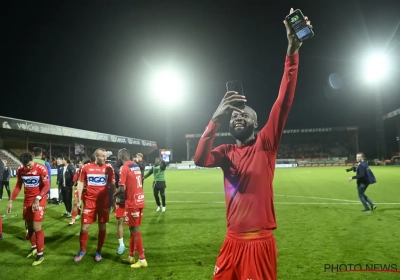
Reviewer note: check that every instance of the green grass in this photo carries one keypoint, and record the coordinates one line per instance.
(318, 223)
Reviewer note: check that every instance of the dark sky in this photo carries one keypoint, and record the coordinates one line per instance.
(81, 63)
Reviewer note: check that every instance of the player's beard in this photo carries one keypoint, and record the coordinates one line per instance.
(242, 134)
(119, 162)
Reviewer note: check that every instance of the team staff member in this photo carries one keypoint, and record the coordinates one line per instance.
(159, 184)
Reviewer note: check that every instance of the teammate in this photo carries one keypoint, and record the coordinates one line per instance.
(35, 178)
(96, 177)
(119, 212)
(76, 212)
(249, 250)
(130, 182)
(142, 164)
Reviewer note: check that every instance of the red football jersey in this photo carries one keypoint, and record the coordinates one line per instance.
(131, 177)
(96, 180)
(35, 180)
(249, 169)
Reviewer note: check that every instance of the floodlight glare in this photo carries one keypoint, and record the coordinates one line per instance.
(168, 86)
(377, 67)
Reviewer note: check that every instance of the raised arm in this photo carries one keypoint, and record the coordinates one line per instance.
(205, 156)
(271, 133)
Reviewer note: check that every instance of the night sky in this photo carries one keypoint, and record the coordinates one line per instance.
(86, 64)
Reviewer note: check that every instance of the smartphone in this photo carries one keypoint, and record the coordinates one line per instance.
(238, 87)
(299, 25)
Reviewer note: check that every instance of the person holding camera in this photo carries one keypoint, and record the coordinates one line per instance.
(363, 181)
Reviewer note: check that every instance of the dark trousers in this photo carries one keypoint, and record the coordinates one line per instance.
(5, 184)
(67, 198)
(60, 196)
(361, 188)
(159, 188)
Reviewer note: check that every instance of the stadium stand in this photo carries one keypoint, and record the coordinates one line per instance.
(4, 155)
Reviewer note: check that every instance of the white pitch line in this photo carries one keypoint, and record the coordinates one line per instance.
(282, 195)
(316, 197)
(285, 203)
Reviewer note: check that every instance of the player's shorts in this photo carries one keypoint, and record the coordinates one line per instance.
(247, 256)
(119, 211)
(133, 217)
(29, 214)
(95, 211)
(75, 193)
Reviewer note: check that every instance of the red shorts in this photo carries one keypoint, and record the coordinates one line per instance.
(119, 211)
(75, 193)
(133, 217)
(36, 216)
(92, 211)
(247, 256)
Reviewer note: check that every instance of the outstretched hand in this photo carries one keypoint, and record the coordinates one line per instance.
(294, 43)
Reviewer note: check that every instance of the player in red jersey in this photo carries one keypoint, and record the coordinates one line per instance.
(130, 182)
(76, 212)
(35, 178)
(249, 250)
(96, 177)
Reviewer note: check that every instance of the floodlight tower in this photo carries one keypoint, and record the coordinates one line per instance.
(168, 86)
(377, 68)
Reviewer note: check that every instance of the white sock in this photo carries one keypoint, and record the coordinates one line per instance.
(39, 254)
(142, 261)
(121, 242)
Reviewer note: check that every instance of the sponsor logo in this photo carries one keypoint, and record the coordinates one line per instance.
(135, 142)
(118, 139)
(96, 180)
(31, 181)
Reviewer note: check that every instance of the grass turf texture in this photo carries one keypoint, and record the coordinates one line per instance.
(319, 222)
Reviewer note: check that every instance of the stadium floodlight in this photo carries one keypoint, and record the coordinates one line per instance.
(168, 86)
(377, 67)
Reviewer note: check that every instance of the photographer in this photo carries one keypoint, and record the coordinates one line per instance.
(362, 182)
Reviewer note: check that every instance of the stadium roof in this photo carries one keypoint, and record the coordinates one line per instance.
(395, 113)
(290, 131)
(19, 128)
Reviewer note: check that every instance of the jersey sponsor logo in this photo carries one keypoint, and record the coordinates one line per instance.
(139, 198)
(31, 181)
(96, 180)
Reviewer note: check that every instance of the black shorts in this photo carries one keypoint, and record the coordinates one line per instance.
(159, 185)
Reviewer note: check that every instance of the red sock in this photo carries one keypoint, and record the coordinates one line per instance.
(32, 237)
(1, 225)
(139, 244)
(83, 240)
(100, 240)
(132, 247)
(40, 241)
(73, 214)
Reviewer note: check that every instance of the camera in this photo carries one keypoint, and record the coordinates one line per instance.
(350, 169)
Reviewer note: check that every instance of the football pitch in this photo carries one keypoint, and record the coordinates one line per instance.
(318, 214)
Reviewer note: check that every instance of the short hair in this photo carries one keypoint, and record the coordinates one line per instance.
(37, 151)
(86, 160)
(98, 150)
(125, 154)
(361, 154)
(139, 155)
(25, 158)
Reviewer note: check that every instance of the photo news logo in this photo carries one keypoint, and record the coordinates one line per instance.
(350, 267)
